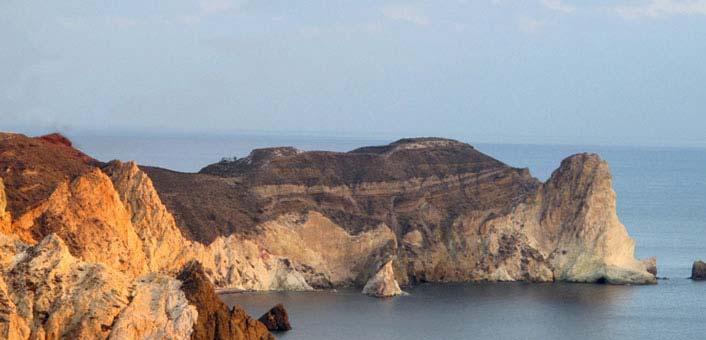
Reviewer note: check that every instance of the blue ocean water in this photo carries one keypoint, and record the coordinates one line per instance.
(661, 196)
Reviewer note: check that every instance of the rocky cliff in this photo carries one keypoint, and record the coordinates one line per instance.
(95, 257)
(439, 208)
(417, 210)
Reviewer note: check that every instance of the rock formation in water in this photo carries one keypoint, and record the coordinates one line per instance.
(276, 319)
(698, 271)
(383, 283)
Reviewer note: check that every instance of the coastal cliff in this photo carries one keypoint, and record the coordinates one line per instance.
(417, 210)
(438, 209)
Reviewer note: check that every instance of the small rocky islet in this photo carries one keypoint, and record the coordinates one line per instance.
(698, 271)
(95, 250)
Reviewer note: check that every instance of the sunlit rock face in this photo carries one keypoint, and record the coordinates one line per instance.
(52, 295)
(383, 283)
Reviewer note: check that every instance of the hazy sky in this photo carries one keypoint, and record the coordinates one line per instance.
(546, 71)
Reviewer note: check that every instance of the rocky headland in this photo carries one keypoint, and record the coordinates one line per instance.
(94, 250)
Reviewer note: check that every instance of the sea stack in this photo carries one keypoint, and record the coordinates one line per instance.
(698, 271)
(276, 319)
(383, 283)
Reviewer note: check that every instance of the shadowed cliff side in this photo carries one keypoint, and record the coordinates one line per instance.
(215, 320)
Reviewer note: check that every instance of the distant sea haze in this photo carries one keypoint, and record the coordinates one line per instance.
(661, 197)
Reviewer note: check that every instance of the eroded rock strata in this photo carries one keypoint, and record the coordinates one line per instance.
(439, 208)
(417, 210)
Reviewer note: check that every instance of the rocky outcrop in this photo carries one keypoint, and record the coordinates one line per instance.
(88, 213)
(162, 242)
(32, 168)
(276, 319)
(215, 320)
(158, 309)
(50, 294)
(579, 211)
(650, 265)
(383, 283)
(46, 293)
(698, 271)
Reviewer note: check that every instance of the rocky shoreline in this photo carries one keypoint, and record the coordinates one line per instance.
(94, 250)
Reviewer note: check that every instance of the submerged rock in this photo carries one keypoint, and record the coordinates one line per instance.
(383, 283)
(698, 270)
(276, 319)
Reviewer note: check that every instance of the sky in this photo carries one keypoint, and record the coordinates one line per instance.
(621, 72)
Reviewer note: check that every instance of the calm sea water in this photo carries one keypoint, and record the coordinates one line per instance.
(661, 200)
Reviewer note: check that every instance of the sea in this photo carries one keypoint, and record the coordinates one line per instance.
(661, 197)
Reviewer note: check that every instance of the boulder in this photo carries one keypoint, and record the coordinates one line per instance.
(651, 265)
(698, 271)
(276, 319)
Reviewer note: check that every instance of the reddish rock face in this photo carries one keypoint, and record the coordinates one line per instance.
(215, 320)
(56, 138)
(33, 167)
(276, 319)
